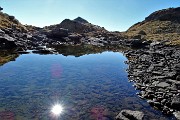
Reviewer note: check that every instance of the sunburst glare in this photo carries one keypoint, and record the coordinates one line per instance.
(57, 109)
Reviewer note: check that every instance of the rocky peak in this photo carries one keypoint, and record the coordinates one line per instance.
(81, 20)
(160, 25)
(170, 14)
(78, 25)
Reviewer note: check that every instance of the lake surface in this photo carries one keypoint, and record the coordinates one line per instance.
(89, 87)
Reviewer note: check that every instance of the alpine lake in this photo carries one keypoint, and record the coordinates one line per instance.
(88, 82)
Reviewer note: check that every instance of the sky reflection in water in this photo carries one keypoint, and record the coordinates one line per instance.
(88, 87)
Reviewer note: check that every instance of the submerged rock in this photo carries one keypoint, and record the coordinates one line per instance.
(130, 115)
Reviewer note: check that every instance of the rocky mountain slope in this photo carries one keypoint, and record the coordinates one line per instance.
(78, 25)
(160, 25)
(79, 31)
(9, 21)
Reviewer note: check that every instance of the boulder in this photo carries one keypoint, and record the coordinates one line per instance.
(130, 115)
(163, 85)
(2, 32)
(176, 102)
(177, 115)
(8, 30)
(58, 33)
(138, 43)
(178, 78)
(7, 42)
(177, 67)
(75, 38)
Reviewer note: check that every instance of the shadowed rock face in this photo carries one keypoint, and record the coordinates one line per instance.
(74, 26)
(171, 14)
(163, 19)
(81, 20)
(78, 25)
(7, 42)
(160, 25)
(58, 33)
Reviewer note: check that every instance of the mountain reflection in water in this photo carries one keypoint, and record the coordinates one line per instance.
(93, 86)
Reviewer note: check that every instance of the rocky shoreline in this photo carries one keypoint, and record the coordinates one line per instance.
(153, 67)
(155, 71)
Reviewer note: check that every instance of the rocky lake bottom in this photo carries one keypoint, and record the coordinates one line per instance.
(93, 86)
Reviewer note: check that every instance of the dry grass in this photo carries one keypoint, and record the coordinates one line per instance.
(156, 31)
(7, 58)
(7, 21)
(155, 27)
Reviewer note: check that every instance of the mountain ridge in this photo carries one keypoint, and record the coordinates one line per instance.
(78, 25)
(160, 25)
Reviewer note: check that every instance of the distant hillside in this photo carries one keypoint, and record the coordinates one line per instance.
(78, 25)
(160, 25)
(8, 21)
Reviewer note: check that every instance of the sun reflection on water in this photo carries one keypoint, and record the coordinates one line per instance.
(57, 109)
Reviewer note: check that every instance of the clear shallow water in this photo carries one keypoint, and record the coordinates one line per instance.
(92, 86)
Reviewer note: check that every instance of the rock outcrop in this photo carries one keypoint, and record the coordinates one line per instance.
(9, 21)
(81, 20)
(58, 33)
(171, 14)
(160, 25)
(78, 25)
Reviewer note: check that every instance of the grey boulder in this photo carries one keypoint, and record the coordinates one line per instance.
(130, 115)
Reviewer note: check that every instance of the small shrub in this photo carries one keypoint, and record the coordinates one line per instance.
(142, 32)
(1, 8)
(11, 18)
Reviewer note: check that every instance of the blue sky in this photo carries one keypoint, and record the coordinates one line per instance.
(114, 15)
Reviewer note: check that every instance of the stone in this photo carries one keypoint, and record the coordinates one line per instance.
(176, 102)
(130, 115)
(177, 67)
(2, 32)
(163, 85)
(7, 42)
(137, 43)
(171, 74)
(23, 52)
(177, 115)
(178, 78)
(8, 31)
(75, 38)
(58, 33)
(154, 43)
